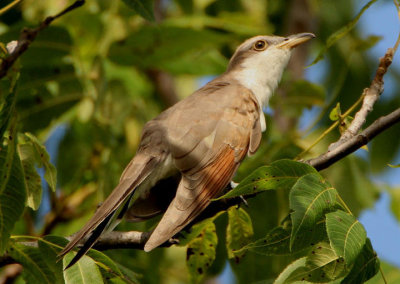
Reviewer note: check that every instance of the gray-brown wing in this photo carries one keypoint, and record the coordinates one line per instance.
(208, 153)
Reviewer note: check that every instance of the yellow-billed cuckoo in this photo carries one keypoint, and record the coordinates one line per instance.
(190, 152)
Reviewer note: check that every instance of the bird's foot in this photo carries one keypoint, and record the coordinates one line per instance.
(244, 200)
(173, 241)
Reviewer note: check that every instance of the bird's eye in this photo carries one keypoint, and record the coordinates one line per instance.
(260, 45)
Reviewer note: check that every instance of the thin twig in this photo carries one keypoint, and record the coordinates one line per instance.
(28, 36)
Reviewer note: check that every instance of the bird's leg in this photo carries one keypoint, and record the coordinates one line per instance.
(235, 184)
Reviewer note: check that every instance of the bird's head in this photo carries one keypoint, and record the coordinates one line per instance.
(258, 63)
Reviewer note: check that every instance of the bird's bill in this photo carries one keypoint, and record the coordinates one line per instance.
(295, 40)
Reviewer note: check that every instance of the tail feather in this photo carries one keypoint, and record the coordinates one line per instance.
(106, 216)
(90, 242)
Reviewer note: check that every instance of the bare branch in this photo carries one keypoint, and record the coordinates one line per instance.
(355, 142)
(371, 95)
(28, 36)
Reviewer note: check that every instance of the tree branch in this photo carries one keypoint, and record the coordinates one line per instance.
(17, 48)
(350, 145)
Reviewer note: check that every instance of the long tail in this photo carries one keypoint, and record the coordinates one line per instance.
(114, 207)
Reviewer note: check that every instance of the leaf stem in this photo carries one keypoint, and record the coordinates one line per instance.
(35, 238)
(383, 275)
(333, 126)
(9, 6)
(344, 204)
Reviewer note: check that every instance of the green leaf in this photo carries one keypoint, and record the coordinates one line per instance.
(143, 7)
(329, 266)
(310, 198)
(333, 38)
(201, 253)
(394, 166)
(280, 174)
(43, 158)
(7, 107)
(395, 203)
(302, 94)
(277, 241)
(36, 269)
(320, 264)
(289, 270)
(347, 236)
(171, 49)
(49, 249)
(84, 271)
(187, 236)
(31, 178)
(335, 113)
(365, 267)
(12, 192)
(238, 232)
(109, 268)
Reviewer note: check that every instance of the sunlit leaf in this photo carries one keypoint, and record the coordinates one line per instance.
(200, 253)
(280, 174)
(44, 161)
(143, 7)
(394, 166)
(347, 236)
(310, 198)
(187, 236)
(333, 38)
(84, 271)
(335, 113)
(31, 178)
(238, 232)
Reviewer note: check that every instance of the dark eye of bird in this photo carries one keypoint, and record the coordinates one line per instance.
(260, 45)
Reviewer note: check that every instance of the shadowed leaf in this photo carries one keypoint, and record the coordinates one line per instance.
(310, 198)
(12, 192)
(143, 7)
(365, 267)
(32, 259)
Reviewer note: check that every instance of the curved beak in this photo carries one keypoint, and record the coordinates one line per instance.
(295, 40)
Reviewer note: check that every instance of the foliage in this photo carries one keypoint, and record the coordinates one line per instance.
(88, 83)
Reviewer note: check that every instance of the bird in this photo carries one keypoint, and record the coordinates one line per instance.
(190, 152)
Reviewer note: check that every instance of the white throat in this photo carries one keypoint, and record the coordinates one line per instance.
(261, 74)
